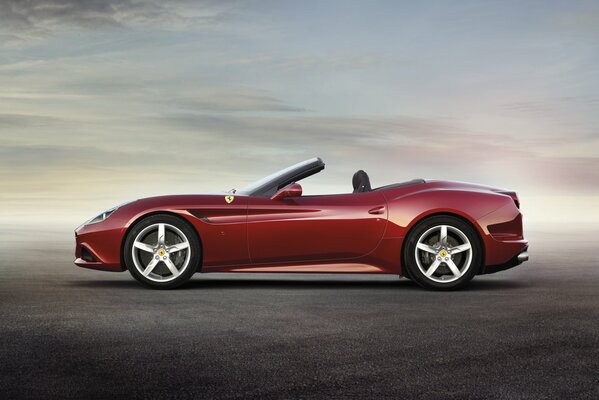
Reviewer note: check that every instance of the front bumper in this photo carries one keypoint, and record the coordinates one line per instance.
(98, 248)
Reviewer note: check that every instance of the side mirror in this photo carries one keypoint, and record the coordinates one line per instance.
(291, 190)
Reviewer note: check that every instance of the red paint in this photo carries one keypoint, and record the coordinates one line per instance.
(361, 232)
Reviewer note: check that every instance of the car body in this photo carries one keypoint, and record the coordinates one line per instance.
(271, 227)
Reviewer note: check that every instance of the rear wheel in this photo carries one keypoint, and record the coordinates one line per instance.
(443, 253)
(162, 252)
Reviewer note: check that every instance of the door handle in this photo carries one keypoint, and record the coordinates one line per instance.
(377, 210)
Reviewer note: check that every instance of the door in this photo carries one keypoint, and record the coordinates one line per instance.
(315, 228)
(223, 229)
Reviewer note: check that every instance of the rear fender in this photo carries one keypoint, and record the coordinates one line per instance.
(406, 211)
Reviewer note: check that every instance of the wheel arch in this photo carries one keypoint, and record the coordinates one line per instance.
(141, 217)
(463, 218)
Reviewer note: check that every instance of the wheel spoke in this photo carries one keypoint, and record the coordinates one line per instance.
(454, 269)
(143, 246)
(443, 235)
(431, 270)
(427, 248)
(150, 267)
(178, 247)
(171, 267)
(161, 234)
(460, 248)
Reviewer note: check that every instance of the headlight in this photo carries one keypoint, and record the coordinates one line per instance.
(102, 216)
(97, 219)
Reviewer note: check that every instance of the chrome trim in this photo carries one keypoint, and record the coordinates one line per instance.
(523, 256)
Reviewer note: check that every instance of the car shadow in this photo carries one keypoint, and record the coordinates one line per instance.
(290, 284)
(260, 283)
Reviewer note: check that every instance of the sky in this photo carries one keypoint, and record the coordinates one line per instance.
(102, 102)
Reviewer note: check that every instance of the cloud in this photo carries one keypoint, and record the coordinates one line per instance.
(231, 150)
(226, 99)
(27, 83)
(13, 121)
(33, 20)
(76, 166)
(333, 62)
(130, 98)
(548, 106)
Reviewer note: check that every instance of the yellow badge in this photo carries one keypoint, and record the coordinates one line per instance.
(443, 253)
(229, 199)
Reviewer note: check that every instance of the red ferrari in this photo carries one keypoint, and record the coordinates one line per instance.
(439, 234)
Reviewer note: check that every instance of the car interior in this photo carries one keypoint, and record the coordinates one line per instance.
(361, 182)
(270, 185)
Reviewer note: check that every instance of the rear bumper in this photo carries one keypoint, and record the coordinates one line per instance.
(513, 262)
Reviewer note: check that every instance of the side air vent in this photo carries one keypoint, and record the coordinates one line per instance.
(86, 255)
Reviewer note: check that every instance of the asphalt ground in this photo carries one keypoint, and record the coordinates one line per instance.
(528, 333)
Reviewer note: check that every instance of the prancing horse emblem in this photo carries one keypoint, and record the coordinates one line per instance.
(229, 199)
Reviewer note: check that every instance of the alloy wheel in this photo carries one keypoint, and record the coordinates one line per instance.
(443, 253)
(161, 252)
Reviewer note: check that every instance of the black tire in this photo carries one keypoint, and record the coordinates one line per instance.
(454, 224)
(169, 221)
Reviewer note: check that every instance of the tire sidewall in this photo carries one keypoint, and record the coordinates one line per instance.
(194, 245)
(410, 248)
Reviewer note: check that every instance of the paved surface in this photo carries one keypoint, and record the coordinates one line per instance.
(531, 332)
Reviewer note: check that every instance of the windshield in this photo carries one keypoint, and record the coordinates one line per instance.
(270, 184)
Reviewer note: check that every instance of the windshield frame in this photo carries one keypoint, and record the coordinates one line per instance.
(269, 185)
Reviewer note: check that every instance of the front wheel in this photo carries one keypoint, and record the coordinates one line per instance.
(443, 253)
(162, 251)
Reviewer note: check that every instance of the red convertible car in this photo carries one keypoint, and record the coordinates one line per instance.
(439, 234)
